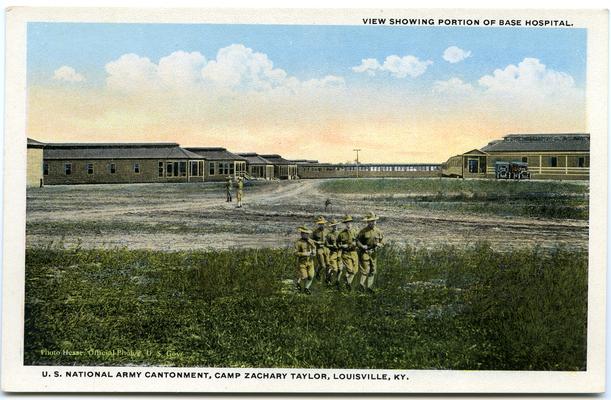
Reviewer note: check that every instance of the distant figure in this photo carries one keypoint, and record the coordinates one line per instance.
(228, 188)
(327, 204)
(240, 191)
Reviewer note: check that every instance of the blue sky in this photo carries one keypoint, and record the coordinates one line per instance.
(409, 94)
(305, 51)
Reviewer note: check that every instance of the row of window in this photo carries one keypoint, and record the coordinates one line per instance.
(167, 169)
(553, 161)
(89, 167)
(226, 168)
(389, 168)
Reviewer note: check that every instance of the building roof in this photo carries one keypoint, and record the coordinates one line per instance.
(35, 144)
(92, 151)
(254, 158)
(215, 153)
(276, 159)
(303, 161)
(541, 142)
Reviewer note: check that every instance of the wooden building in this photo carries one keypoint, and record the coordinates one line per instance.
(549, 156)
(34, 170)
(220, 163)
(283, 169)
(258, 167)
(77, 163)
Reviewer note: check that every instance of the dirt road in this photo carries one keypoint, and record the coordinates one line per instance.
(195, 216)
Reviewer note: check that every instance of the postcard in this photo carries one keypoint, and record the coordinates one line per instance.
(305, 201)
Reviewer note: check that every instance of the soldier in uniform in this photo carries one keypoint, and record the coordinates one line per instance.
(240, 191)
(368, 241)
(228, 187)
(322, 255)
(305, 250)
(346, 241)
(334, 254)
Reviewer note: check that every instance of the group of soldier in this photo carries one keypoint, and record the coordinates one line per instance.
(239, 191)
(336, 257)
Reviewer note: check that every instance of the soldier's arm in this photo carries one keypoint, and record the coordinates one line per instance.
(359, 242)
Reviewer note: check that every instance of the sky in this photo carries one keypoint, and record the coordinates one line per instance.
(401, 94)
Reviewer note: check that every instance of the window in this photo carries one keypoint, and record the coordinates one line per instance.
(89, 169)
(113, 168)
(161, 169)
(45, 169)
(68, 169)
(211, 169)
(553, 161)
(136, 168)
(581, 162)
(182, 166)
(168, 169)
(176, 168)
(231, 168)
(525, 159)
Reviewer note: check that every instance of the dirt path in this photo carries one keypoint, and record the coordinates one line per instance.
(172, 217)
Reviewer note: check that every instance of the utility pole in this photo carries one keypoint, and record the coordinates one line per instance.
(357, 161)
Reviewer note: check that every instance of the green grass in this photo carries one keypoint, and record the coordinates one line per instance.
(449, 186)
(558, 200)
(448, 308)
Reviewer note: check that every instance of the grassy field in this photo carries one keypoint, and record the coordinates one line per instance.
(447, 308)
(559, 200)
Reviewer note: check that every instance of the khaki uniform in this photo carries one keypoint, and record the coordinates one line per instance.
(305, 264)
(322, 253)
(334, 252)
(349, 256)
(240, 191)
(372, 238)
(228, 187)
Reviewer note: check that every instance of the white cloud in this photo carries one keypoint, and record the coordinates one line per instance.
(236, 68)
(455, 54)
(68, 74)
(240, 67)
(181, 69)
(453, 86)
(529, 77)
(130, 73)
(399, 67)
(369, 65)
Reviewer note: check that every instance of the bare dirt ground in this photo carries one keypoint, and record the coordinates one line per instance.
(196, 216)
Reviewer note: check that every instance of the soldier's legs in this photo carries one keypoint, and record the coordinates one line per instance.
(309, 275)
(372, 272)
(321, 267)
(364, 271)
(349, 268)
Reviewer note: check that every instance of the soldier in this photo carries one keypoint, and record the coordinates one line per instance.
(305, 250)
(228, 187)
(240, 191)
(334, 254)
(346, 241)
(368, 241)
(322, 255)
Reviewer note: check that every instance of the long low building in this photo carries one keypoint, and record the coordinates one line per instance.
(548, 156)
(367, 170)
(77, 163)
